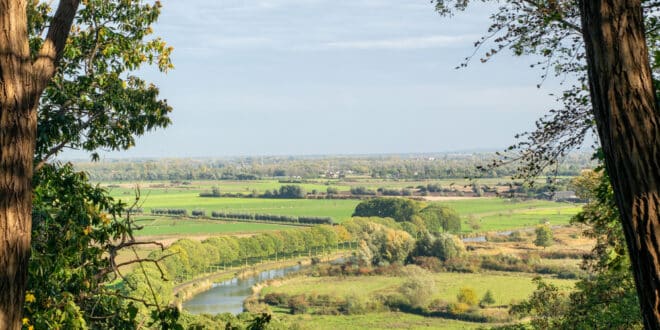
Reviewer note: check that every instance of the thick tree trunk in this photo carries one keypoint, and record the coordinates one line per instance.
(628, 121)
(22, 79)
(17, 136)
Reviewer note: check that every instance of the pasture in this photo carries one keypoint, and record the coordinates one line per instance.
(377, 321)
(478, 214)
(161, 226)
(505, 287)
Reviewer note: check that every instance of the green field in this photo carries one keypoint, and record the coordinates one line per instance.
(492, 214)
(505, 287)
(169, 226)
(386, 320)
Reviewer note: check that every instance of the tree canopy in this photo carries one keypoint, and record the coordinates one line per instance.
(604, 46)
(399, 209)
(84, 94)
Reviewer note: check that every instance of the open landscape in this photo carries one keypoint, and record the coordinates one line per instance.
(296, 164)
(494, 224)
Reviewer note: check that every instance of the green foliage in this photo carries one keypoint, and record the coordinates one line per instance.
(298, 304)
(487, 299)
(76, 230)
(94, 100)
(380, 244)
(467, 296)
(437, 217)
(419, 287)
(543, 236)
(444, 247)
(546, 306)
(607, 298)
(399, 209)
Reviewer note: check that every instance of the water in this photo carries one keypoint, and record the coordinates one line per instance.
(228, 296)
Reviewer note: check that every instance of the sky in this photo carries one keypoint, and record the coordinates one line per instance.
(310, 77)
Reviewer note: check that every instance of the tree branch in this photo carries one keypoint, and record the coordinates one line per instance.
(45, 63)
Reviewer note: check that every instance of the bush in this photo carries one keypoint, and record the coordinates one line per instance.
(354, 305)
(467, 296)
(429, 263)
(418, 289)
(543, 236)
(458, 308)
(516, 236)
(298, 304)
(276, 299)
(487, 299)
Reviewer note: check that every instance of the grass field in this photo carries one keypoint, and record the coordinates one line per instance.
(170, 226)
(389, 320)
(491, 214)
(505, 287)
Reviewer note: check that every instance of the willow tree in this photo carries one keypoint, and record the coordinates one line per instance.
(604, 46)
(65, 82)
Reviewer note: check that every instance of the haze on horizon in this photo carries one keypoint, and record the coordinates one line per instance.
(311, 77)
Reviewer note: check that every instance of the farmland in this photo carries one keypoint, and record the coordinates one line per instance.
(478, 214)
(163, 226)
(505, 287)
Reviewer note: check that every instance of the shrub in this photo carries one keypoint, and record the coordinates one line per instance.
(516, 236)
(467, 296)
(487, 299)
(418, 289)
(458, 308)
(430, 263)
(298, 304)
(276, 299)
(543, 236)
(354, 305)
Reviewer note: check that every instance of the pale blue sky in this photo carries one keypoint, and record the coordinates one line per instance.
(264, 77)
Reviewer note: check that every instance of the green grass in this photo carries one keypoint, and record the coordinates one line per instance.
(504, 287)
(337, 209)
(489, 205)
(493, 214)
(387, 320)
(172, 226)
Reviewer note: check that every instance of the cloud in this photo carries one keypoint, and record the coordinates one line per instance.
(437, 41)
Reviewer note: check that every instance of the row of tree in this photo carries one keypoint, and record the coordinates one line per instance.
(178, 212)
(273, 218)
(414, 167)
(188, 257)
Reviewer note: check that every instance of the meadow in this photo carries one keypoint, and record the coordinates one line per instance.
(505, 287)
(377, 321)
(478, 214)
(162, 226)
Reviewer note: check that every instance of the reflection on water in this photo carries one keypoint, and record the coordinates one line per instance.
(228, 296)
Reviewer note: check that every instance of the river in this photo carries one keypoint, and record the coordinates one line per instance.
(228, 296)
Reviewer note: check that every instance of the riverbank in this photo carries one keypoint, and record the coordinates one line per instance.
(186, 291)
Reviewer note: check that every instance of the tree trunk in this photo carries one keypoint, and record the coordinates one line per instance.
(624, 105)
(22, 80)
(17, 137)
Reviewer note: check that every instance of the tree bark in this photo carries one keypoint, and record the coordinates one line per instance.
(22, 80)
(17, 136)
(624, 105)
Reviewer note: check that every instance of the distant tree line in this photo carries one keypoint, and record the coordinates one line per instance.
(273, 218)
(286, 191)
(410, 167)
(179, 212)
